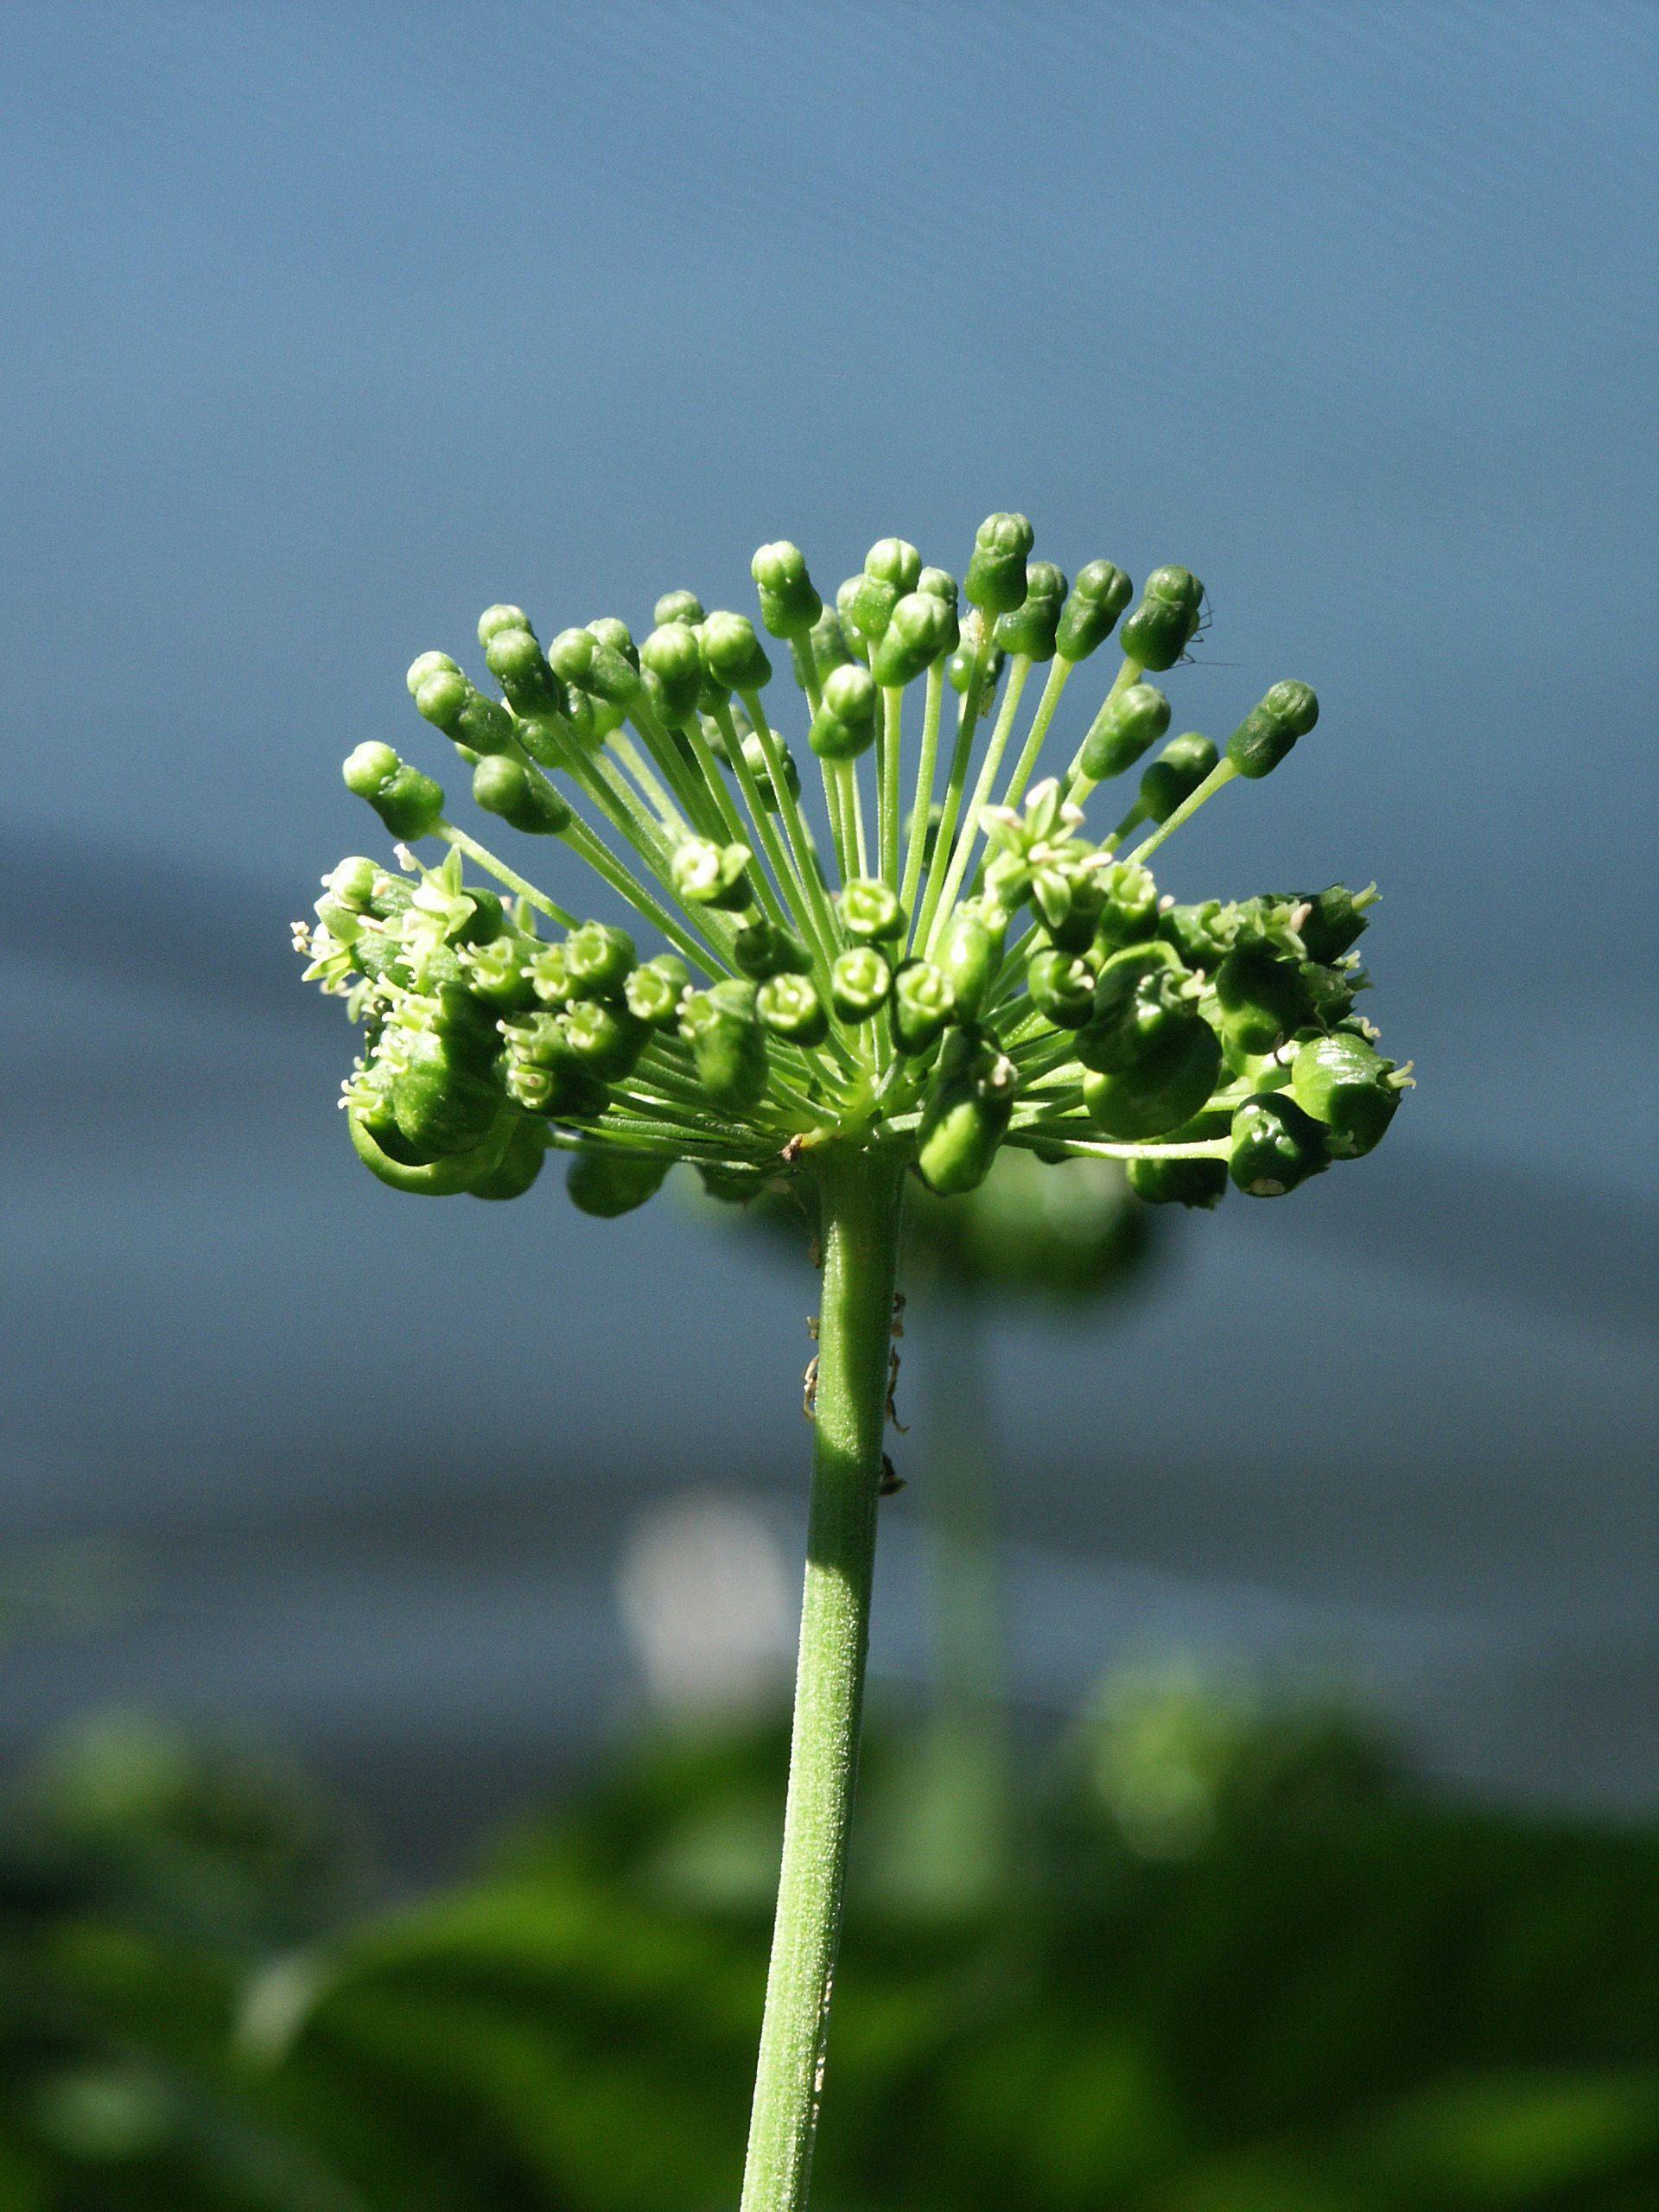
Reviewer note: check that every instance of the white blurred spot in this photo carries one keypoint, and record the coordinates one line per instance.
(704, 1597)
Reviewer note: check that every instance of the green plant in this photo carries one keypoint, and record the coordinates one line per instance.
(1260, 1964)
(842, 1026)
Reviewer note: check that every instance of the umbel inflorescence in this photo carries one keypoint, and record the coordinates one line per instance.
(956, 965)
(961, 965)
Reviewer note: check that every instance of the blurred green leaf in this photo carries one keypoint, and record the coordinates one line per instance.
(1341, 1992)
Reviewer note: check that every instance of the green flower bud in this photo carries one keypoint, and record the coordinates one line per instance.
(543, 1074)
(965, 1116)
(996, 573)
(1163, 626)
(595, 666)
(1009, 880)
(923, 1003)
(425, 665)
(1125, 727)
(605, 1038)
(1335, 920)
(1262, 1000)
(1276, 1147)
(653, 992)
(392, 895)
(1268, 732)
(521, 667)
(708, 874)
(1267, 923)
(1144, 1000)
(518, 1165)
(496, 619)
(846, 598)
(844, 725)
(1346, 1084)
(762, 949)
(441, 697)
(465, 1028)
(609, 1184)
(498, 973)
(549, 975)
(922, 629)
(790, 1007)
(1128, 910)
(894, 561)
(830, 647)
(591, 721)
(599, 960)
(890, 570)
(939, 583)
(683, 606)
(565, 1092)
(377, 954)
(970, 954)
(1331, 991)
(353, 883)
(571, 654)
(1069, 899)
(436, 1178)
(733, 656)
(610, 630)
(1175, 774)
(1165, 1087)
(409, 802)
(671, 656)
(528, 802)
(342, 923)
(1201, 1183)
(1062, 987)
(729, 1046)
(1098, 598)
(442, 1101)
(1032, 627)
(713, 697)
(484, 917)
(860, 983)
(1202, 934)
(789, 604)
(483, 726)
(539, 1040)
(543, 739)
(870, 910)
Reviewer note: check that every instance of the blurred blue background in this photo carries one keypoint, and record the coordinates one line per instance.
(326, 327)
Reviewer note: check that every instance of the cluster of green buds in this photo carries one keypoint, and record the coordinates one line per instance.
(944, 970)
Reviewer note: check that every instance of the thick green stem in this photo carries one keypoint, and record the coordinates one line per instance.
(861, 1193)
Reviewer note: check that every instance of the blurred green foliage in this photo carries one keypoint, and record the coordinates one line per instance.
(1247, 1965)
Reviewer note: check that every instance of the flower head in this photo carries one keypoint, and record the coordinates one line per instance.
(945, 961)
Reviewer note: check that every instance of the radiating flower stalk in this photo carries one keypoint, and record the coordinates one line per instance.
(960, 966)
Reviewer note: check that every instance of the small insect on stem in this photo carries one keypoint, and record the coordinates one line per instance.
(893, 1387)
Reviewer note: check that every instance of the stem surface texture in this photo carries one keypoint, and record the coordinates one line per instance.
(861, 1192)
